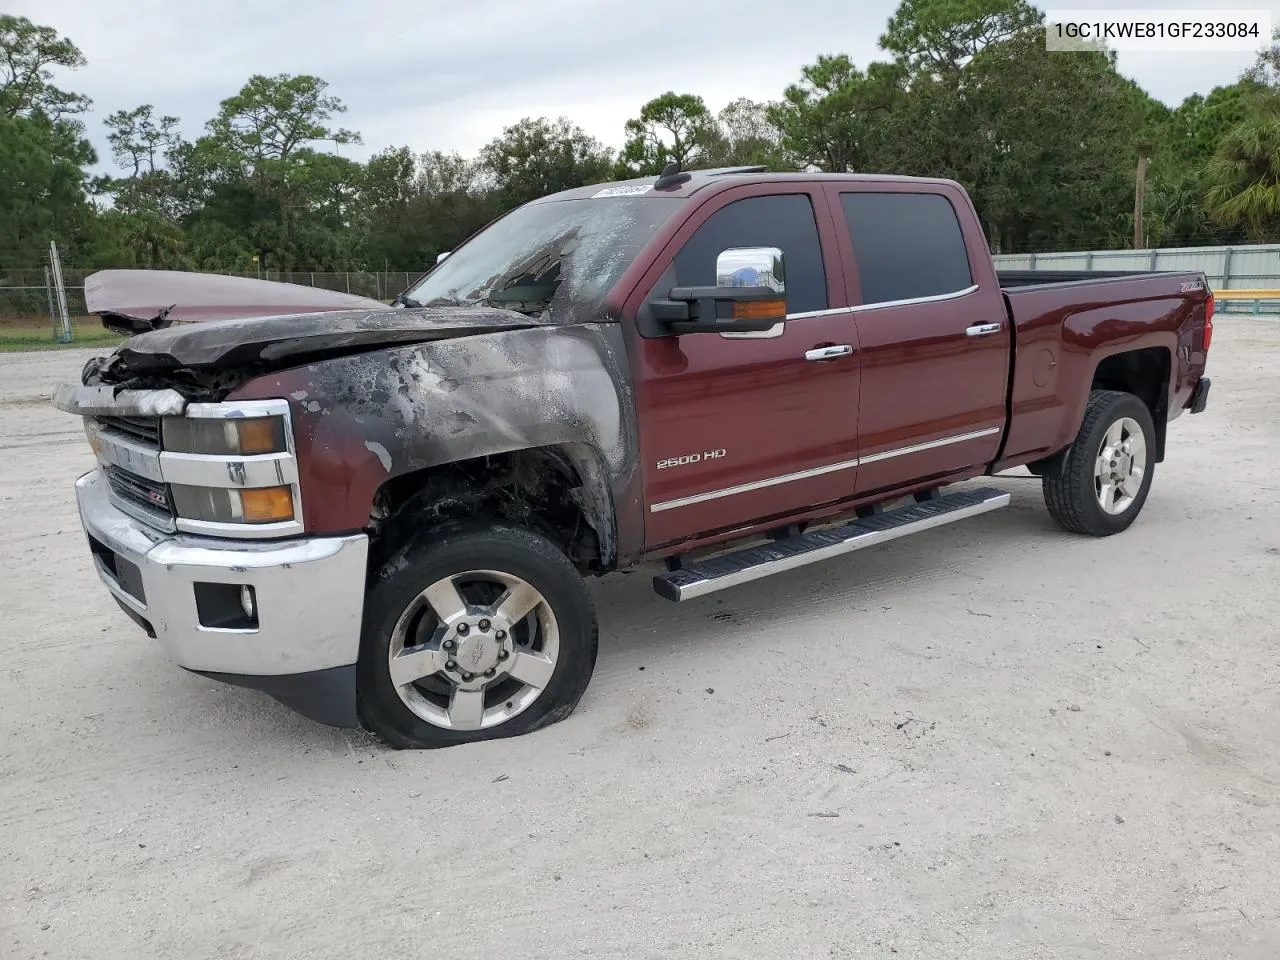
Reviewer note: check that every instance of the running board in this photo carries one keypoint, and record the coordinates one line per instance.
(754, 563)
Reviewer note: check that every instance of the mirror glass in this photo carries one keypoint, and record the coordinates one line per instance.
(751, 267)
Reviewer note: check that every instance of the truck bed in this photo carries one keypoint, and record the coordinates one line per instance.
(1064, 322)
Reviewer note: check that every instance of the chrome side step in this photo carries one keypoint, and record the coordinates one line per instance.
(754, 563)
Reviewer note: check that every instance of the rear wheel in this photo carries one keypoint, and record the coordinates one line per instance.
(474, 634)
(1098, 485)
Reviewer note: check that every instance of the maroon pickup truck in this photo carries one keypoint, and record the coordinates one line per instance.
(384, 516)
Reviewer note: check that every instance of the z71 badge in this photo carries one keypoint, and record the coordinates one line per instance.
(1189, 285)
(689, 458)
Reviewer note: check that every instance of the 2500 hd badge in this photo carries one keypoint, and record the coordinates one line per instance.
(690, 458)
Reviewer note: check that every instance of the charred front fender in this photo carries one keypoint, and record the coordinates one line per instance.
(363, 419)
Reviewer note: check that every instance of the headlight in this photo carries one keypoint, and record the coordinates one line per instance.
(225, 505)
(232, 437)
(231, 470)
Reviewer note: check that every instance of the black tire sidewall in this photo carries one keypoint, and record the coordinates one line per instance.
(1116, 407)
(451, 550)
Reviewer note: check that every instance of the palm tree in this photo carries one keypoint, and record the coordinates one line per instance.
(153, 240)
(1175, 213)
(1244, 178)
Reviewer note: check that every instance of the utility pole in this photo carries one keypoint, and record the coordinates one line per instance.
(1139, 189)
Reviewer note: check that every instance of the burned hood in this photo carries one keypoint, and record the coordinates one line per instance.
(280, 341)
(135, 301)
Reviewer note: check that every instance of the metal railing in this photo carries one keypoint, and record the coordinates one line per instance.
(1253, 302)
(1245, 279)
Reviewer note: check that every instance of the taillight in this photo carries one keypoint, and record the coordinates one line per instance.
(1208, 323)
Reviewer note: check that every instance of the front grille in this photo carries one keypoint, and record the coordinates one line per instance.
(145, 430)
(146, 493)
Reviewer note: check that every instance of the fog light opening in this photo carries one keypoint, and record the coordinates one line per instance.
(249, 602)
(226, 606)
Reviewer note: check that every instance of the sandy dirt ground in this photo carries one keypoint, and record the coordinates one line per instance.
(990, 741)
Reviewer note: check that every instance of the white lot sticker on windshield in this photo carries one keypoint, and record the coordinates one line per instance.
(633, 191)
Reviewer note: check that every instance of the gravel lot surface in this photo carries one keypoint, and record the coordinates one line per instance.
(990, 741)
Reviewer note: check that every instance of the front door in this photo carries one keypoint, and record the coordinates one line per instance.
(738, 429)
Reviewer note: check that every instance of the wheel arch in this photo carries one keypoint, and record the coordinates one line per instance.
(560, 490)
(1146, 373)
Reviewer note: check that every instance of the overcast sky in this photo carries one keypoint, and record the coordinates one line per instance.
(449, 76)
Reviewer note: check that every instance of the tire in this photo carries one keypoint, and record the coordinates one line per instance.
(1073, 490)
(439, 708)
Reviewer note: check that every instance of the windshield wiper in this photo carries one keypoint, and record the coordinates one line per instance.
(437, 302)
(523, 293)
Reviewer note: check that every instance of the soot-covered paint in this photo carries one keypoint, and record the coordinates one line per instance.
(280, 341)
(362, 419)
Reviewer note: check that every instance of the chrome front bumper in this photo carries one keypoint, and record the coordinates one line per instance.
(309, 592)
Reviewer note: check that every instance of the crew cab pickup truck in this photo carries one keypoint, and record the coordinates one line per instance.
(384, 516)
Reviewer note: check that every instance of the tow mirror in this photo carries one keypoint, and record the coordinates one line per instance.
(749, 296)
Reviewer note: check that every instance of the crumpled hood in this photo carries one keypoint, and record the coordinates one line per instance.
(135, 301)
(279, 341)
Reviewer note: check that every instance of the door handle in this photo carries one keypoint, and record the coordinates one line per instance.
(828, 353)
(982, 329)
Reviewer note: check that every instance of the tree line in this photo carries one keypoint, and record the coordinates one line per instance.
(1048, 145)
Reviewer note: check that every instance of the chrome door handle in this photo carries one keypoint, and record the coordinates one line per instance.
(982, 329)
(828, 353)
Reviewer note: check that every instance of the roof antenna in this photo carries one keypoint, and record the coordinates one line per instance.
(671, 176)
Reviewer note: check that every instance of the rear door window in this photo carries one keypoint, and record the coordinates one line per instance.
(785, 221)
(907, 245)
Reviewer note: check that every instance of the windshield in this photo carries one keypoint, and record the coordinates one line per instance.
(543, 256)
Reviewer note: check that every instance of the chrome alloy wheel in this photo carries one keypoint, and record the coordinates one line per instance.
(1120, 466)
(474, 650)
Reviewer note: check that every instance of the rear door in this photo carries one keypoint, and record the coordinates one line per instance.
(737, 429)
(934, 340)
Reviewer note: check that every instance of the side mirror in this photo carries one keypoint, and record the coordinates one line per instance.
(440, 259)
(749, 296)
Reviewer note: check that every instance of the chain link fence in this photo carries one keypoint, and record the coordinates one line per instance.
(25, 294)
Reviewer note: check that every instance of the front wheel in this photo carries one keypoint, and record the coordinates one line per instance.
(1097, 486)
(474, 634)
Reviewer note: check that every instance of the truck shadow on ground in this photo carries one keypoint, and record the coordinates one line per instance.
(637, 622)
(639, 628)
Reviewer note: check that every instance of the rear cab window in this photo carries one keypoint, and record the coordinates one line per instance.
(907, 246)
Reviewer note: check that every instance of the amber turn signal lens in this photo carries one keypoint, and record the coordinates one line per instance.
(259, 435)
(759, 309)
(266, 504)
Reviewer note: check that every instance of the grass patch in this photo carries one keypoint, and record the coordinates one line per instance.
(35, 335)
